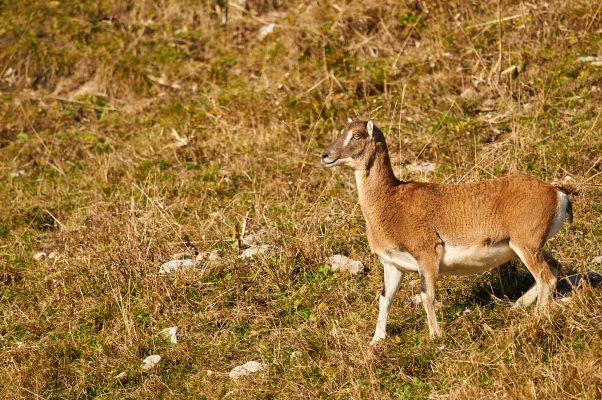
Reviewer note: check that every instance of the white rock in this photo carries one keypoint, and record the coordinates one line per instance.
(17, 174)
(468, 93)
(150, 361)
(180, 141)
(246, 369)
(252, 240)
(597, 260)
(39, 256)
(174, 265)
(255, 250)
(265, 30)
(121, 375)
(418, 167)
(586, 59)
(170, 334)
(339, 262)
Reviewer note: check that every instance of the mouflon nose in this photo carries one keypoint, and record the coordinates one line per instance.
(325, 154)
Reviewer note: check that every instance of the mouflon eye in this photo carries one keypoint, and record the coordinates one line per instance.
(357, 136)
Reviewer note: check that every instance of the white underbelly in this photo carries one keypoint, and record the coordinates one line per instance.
(456, 260)
(467, 260)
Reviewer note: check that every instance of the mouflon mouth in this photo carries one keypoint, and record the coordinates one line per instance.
(330, 163)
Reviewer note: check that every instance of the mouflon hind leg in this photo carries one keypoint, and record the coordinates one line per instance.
(530, 295)
(536, 262)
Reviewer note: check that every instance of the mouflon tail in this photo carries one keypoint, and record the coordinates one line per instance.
(569, 211)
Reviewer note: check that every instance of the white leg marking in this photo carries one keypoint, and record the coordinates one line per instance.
(392, 279)
(527, 298)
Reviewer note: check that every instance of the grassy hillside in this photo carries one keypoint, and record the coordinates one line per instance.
(132, 131)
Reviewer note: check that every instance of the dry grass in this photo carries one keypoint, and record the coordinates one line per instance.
(90, 94)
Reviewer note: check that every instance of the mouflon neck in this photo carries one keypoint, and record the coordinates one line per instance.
(375, 182)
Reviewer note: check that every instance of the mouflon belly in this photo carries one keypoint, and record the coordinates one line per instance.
(456, 260)
(468, 260)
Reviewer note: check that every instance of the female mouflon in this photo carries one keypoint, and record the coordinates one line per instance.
(437, 229)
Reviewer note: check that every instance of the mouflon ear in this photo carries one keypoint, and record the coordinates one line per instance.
(349, 120)
(370, 127)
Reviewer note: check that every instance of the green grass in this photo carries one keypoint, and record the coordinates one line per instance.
(90, 171)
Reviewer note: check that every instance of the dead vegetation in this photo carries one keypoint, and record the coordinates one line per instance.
(132, 131)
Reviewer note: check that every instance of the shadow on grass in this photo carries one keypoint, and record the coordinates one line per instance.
(510, 282)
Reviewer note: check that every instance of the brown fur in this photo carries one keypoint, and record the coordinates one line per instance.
(424, 219)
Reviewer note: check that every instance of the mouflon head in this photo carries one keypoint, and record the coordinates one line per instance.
(355, 146)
